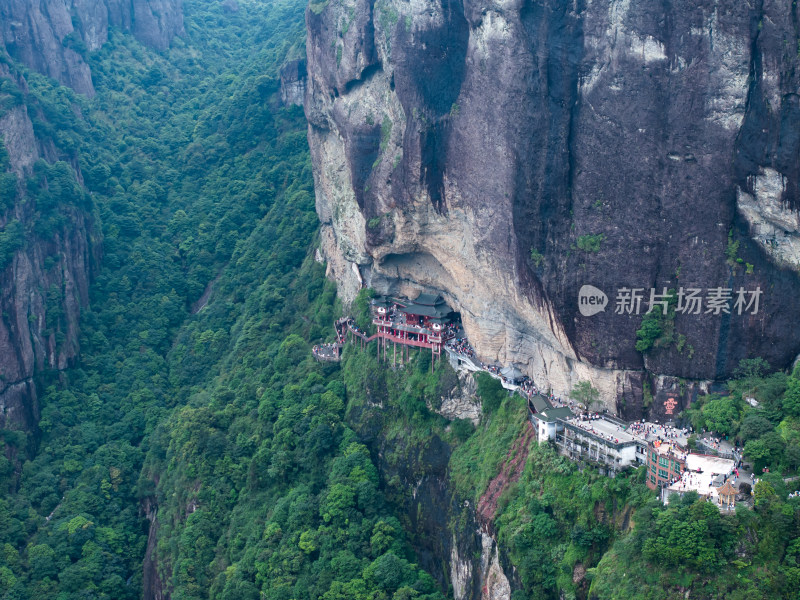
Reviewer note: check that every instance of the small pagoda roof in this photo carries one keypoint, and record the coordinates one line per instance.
(727, 489)
(424, 310)
(384, 301)
(429, 299)
(512, 372)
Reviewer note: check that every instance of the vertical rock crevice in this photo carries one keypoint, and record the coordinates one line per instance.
(537, 146)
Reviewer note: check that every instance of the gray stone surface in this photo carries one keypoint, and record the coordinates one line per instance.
(46, 35)
(451, 138)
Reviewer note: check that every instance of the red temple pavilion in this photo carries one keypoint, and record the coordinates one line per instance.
(425, 322)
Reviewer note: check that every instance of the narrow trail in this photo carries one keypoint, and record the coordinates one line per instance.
(509, 473)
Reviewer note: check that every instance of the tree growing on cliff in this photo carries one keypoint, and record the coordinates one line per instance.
(491, 393)
(585, 393)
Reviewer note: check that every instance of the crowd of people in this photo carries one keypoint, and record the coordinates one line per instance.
(650, 432)
(461, 346)
(583, 421)
(351, 324)
(662, 433)
(341, 329)
(327, 351)
(715, 445)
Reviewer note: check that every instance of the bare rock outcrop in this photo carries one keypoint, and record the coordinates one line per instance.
(508, 153)
(293, 82)
(461, 402)
(43, 284)
(51, 36)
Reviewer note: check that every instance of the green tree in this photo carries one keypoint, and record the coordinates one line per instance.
(720, 414)
(754, 425)
(491, 393)
(791, 399)
(585, 394)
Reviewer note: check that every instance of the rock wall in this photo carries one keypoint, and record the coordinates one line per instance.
(52, 36)
(508, 153)
(44, 285)
(293, 82)
(461, 402)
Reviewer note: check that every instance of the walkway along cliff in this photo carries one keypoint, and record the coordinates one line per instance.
(506, 155)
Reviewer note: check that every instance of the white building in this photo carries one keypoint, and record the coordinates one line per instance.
(601, 441)
(549, 422)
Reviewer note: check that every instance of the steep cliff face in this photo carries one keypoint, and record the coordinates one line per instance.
(41, 295)
(509, 153)
(44, 280)
(51, 36)
(44, 283)
(293, 82)
(452, 540)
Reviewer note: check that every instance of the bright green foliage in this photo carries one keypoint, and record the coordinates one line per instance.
(556, 518)
(658, 329)
(720, 414)
(585, 393)
(478, 460)
(490, 391)
(769, 431)
(590, 242)
(690, 545)
(361, 309)
(537, 258)
(197, 394)
(791, 399)
(765, 451)
(648, 333)
(197, 177)
(732, 250)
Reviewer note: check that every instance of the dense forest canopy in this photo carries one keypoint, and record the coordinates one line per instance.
(197, 447)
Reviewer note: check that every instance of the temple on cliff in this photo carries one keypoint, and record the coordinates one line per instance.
(600, 439)
(425, 322)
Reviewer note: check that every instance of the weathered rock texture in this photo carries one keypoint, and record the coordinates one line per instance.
(41, 295)
(293, 82)
(461, 402)
(50, 36)
(452, 138)
(45, 284)
(44, 287)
